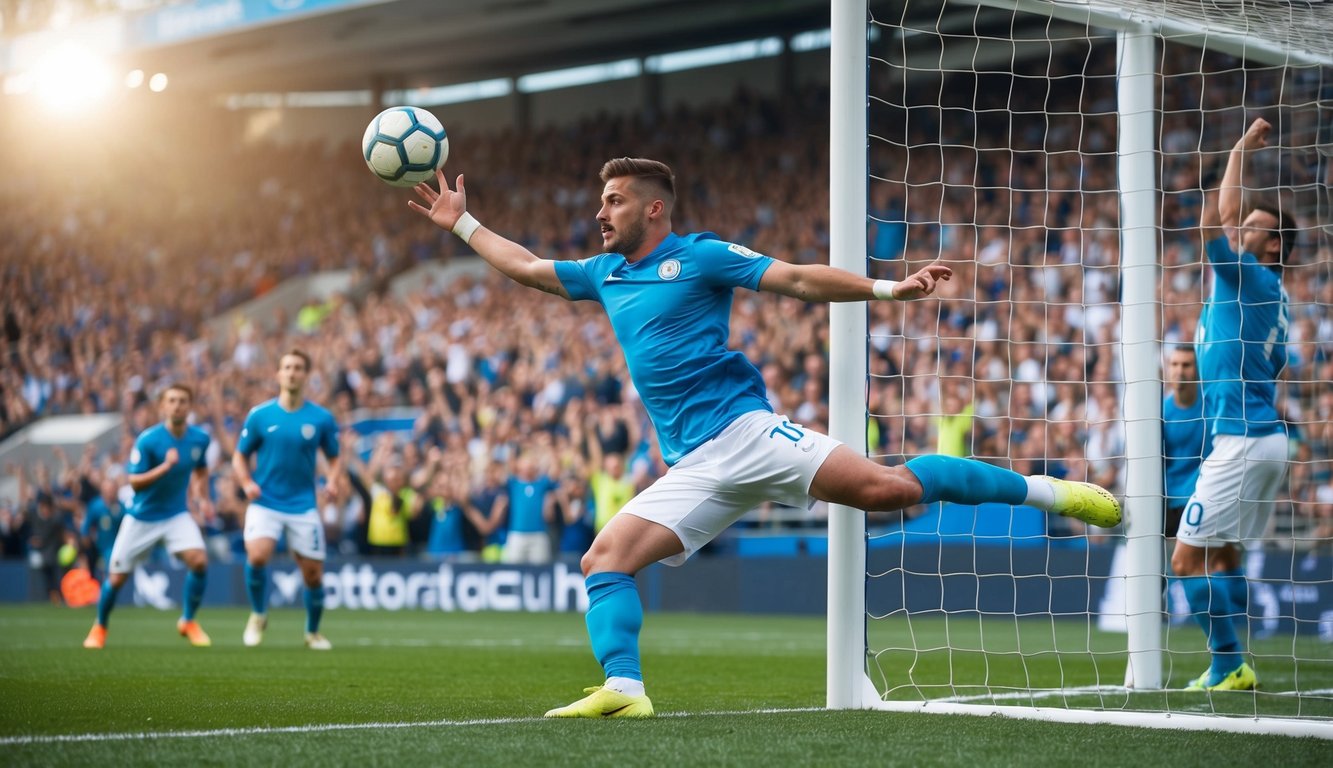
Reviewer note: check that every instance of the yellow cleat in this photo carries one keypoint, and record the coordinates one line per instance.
(96, 637)
(604, 702)
(1090, 503)
(1241, 678)
(190, 630)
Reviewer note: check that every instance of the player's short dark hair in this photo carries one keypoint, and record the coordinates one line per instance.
(1286, 226)
(657, 175)
(189, 392)
(294, 352)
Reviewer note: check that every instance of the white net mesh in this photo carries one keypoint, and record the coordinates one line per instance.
(992, 146)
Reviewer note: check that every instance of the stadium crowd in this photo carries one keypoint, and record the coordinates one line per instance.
(1015, 361)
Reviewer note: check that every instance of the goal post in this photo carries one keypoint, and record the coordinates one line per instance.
(1121, 91)
(847, 684)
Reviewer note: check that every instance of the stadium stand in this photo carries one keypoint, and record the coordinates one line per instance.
(107, 299)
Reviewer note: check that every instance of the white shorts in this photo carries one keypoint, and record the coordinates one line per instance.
(526, 547)
(759, 457)
(305, 531)
(136, 538)
(1233, 498)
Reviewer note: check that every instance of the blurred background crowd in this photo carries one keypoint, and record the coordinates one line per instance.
(105, 300)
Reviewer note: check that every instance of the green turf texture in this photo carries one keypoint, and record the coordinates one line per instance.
(429, 688)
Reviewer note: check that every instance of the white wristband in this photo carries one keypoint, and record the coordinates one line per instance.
(466, 225)
(883, 289)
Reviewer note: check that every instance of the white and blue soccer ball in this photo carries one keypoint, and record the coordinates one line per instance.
(405, 145)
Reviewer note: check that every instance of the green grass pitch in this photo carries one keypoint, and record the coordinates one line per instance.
(419, 688)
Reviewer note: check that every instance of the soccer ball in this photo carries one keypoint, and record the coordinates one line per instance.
(405, 145)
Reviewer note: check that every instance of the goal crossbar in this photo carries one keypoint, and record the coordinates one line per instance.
(1314, 46)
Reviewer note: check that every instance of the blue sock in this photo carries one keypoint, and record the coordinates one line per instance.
(314, 607)
(1238, 589)
(614, 619)
(106, 601)
(966, 481)
(1210, 603)
(256, 584)
(195, 581)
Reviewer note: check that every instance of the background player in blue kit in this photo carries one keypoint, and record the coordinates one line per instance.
(167, 467)
(284, 435)
(1241, 345)
(668, 298)
(1185, 441)
(527, 508)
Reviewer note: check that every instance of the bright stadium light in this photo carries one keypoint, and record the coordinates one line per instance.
(585, 75)
(714, 55)
(69, 78)
(134, 78)
(157, 83)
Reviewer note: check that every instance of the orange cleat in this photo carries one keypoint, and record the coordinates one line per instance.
(191, 631)
(96, 637)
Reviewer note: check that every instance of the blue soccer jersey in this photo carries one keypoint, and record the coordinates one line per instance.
(1185, 443)
(284, 444)
(166, 497)
(1241, 343)
(446, 528)
(526, 501)
(671, 311)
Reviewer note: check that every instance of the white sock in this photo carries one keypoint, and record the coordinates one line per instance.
(1041, 493)
(624, 685)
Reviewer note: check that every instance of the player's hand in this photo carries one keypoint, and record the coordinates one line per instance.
(252, 490)
(922, 283)
(333, 486)
(172, 458)
(1256, 137)
(443, 207)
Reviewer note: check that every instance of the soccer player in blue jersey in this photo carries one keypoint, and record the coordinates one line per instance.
(283, 436)
(1241, 345)
(528, 506)
(668, 298)
(167, 468)
(1185, 437)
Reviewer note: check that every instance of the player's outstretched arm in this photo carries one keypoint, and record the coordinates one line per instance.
(817, 282)
(1231, 194)
(448, 209)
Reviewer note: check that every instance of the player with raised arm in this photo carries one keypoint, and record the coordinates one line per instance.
(668, 298)
(1241, 346)
(284, 435)
(167, 468)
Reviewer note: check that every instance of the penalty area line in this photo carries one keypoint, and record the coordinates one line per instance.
(76, 738)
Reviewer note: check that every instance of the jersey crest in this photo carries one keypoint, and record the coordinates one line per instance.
(669, 269)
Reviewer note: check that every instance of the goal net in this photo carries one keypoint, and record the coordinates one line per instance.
(1055, 155)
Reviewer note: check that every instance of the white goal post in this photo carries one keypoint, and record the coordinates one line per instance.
(1295, 34)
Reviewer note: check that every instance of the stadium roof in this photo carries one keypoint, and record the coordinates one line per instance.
(405, 43)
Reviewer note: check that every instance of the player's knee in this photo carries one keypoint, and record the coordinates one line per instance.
(589, 560)
(1186, 563)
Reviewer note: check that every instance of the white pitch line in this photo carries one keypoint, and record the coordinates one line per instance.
(69, 738)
